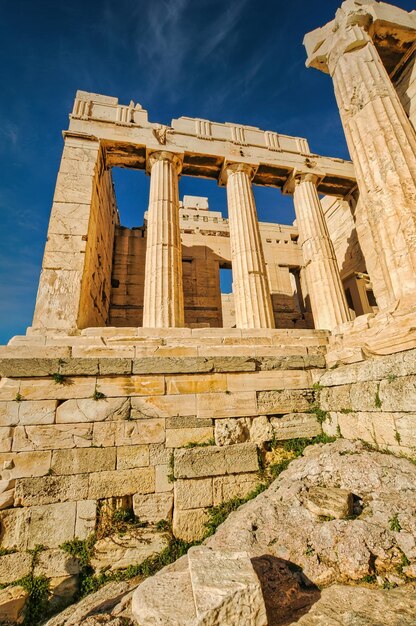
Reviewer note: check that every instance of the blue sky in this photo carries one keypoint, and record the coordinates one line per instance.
(240, 61)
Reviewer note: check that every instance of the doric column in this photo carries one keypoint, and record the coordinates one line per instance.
(163, 292)
(253, 304)
(382, 143)
(328, 303)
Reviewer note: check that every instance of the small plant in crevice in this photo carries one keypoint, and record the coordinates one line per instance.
(391, 378)
(404, 562)
(200, 444)
(98, 395)
(346, 411)
(164, 525)
(171, 468)
(370, 579)
(218, 514)
(397, 437)
(377, 400)
(317, 387)
(4, 551)
(58, 378)
(310, 550)
(394, 523)
(18, 397)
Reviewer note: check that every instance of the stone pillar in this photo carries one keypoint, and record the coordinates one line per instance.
(163, 292)
(253, 304)
(382, 143)
(328, 303)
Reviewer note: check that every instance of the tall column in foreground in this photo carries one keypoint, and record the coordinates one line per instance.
(253, 304)
(163, 291)
(328, 303)
(382, 143)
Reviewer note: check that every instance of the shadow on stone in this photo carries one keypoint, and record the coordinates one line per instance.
(288, 593)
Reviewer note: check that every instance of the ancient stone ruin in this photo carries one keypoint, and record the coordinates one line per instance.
(143, 402)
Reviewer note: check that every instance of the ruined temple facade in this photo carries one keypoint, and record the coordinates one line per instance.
(135, 357)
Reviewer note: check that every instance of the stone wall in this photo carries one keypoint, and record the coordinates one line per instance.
(373, 400)
(91, 425)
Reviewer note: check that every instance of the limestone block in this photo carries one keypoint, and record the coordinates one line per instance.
(9, 388)
(159, 454)
(14, 527)
(55, 563)
(284, 401)
(78, 367)
(163, 406)
(52, 524)
(121, 483)
(132, 548)
(226, 588)
(196, 383)
(179, 437)
(329, 502)
(226, 404)
(50, 489)
(189, 525)
(9, 413)
(37, 412)
(101, 352)
(375, 427)
(12, 602)
(171, 365)
(261, 429)
(140, 432)
(236, 486)
(295, 425)
(129, 457)
(89, 410)
(335, 398)
(51, 437)
(215, 461)
(364, 396)
(268, 380)
(162, 479)
(63, 589)
(23, 367)
(6, 499)
(232, 430)
(406, 428)
(86, 518)
(25, 464)
(111, 366)
(131, 385)
(153, 507)
(14, 566)
(399, 394)
(6, 438)
(187, 422)
(234, 364)
(104, 434)
(48, 389)
(193, 494)
(83, 460)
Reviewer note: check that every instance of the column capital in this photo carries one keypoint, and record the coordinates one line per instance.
(164, 155)
(232, 168)
(306, 177)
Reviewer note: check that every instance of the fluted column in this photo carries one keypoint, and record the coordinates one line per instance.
(253, 304)
(163, 292)
(382, 143)
(328, 303)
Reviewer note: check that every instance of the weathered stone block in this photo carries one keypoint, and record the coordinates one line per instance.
(14, 528)
(52, 437)
(28, 367)
(83, 460)
(48, 389)
(188, 422)
(171, 365)
(9, 413)
(335, 398)
(55, 563)
(329, 502)
(399, 394)
(365, 396)
(140, 432)
(196, 383)
(25, 464)
(260, 381)
(189, 525)
(6, 438)
(226, 404)
(129, 457)
(215, 461)
(37, 412)
(295, 425)
(14, 566)
(179, 437)
(163, 406)
(232, 430)
(118, 552)
(9, 388)
(153, 507)
(121, 483)
(283, 401)
(89, 410)
(131, 385)
(237, 486)
(111, 366)
(234, 364)
(50, 489)
(52, 524)
(78, 367)
(193, 494)
(12, 602)
(163, 484)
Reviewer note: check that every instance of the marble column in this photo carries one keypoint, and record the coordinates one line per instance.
(327, 297)
(253, 304)
(163, 291)
(382, 143)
